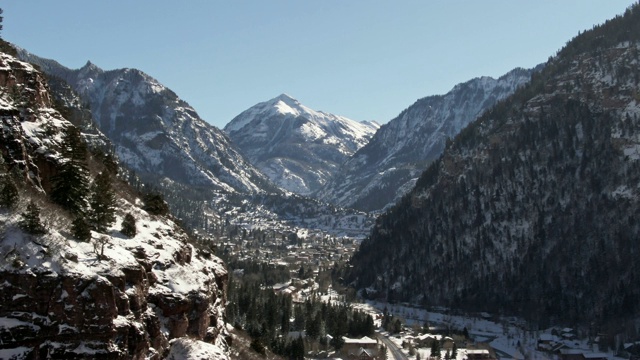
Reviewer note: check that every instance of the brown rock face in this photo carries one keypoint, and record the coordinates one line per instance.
(24, 84)
(56, 310)
(18, 150)
(25, 88)
(109, 316)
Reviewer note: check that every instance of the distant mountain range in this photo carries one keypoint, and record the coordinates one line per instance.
(276, 144)
(204, 177)
(154, 132)
(298, 148)
(387, 167)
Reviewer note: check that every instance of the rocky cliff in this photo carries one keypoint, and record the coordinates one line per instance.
(60, 300)
(145, 296)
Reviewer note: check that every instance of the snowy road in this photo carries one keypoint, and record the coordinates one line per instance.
(395, 351)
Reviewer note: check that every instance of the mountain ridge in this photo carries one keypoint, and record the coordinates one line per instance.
(379, 173)
(155, 132)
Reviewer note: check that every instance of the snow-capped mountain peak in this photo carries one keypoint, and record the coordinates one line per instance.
(89, 71)
(297, 147)
(285, 104)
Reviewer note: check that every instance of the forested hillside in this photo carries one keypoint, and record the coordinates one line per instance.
(532, 208)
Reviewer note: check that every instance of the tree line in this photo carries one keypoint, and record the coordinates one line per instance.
(287, 327)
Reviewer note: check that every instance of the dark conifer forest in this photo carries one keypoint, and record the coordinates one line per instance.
(532, 208)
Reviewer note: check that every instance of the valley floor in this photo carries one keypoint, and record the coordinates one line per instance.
(506, 337)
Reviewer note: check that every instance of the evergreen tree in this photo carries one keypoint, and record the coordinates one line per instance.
(425, 327)
(257, 346)
(9, 193)
(386, 318)
(337, 342)
(299, 319)
(110, 164)
(74, 147)
(129, 226)
(285, 307)
(154, 204)
(31, 222)
(435, 349)
(102, 203)
(70, 185)
(8, 190)
(296, 351)
(396, 327)
(313, 326)
(80, 229)
(108, 160)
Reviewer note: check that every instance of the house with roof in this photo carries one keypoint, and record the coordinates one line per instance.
(632, 350)
(568, 334)
(596, 356)
(547, 342)
(363, 354)
(571, 354)
(479, 354)
(427, 340)
(364, 348)
(578, 354)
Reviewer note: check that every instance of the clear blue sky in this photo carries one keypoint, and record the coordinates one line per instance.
(364, 59)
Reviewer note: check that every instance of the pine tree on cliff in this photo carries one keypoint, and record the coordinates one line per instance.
(9, 194)
(31, 222)
(102, 203)
(80, 229)
(154, 204)
(129, 225)
(8, 189)
(70, 185)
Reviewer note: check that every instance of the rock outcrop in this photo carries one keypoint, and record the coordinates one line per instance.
(128, 306)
